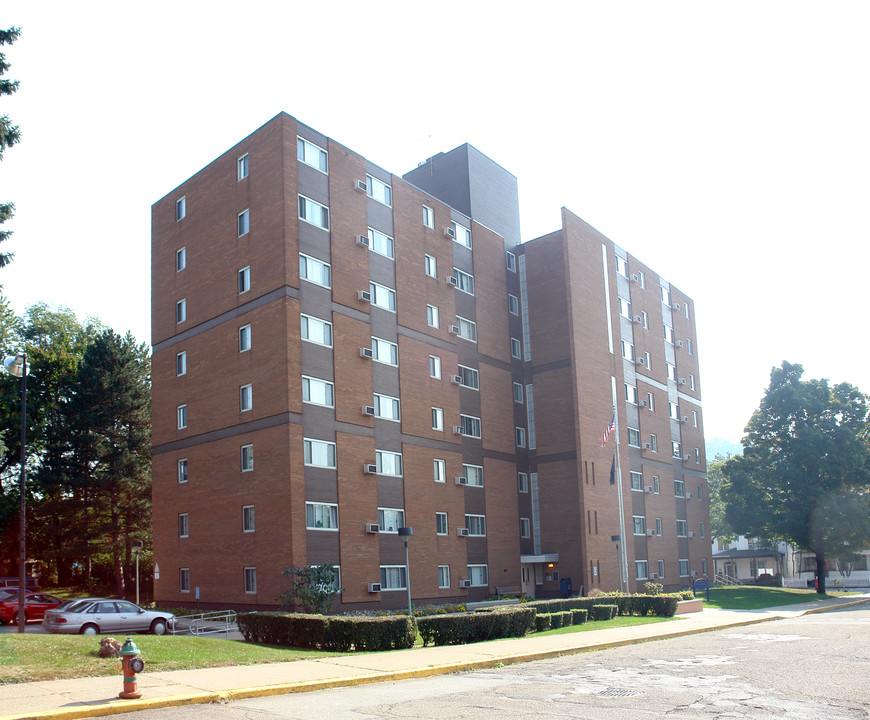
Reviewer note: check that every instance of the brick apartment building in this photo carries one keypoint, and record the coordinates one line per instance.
(340, 352)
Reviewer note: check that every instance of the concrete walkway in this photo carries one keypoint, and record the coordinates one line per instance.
(94, 697)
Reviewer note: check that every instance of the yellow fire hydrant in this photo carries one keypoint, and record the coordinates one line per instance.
(130, 666)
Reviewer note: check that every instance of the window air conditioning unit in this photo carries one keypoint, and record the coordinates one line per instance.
(635, 278)
(451, 280)
(461, 480)
(364, 295)
(638, 319)
(453, 329)
(642, 403)
(449, 232)
(372, 528)
(687, 457)
(690, 495)
(465, 583)
(694, 573)
(366, 352)
(679, 343)
(368, 409)
(649, 488)
(682, 381)
(361, 185)
(646, 446)
(362, 240)
(374, 587)
(685, 418)
(457, 430)
(650, 533)
(462, 532)
(456, 379)
(676, 306)
(370, 469)
(655, 576)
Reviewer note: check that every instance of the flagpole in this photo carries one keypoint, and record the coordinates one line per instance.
(623, 575)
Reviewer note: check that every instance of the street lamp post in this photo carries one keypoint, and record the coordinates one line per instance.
(17, 365)
(137, 547)
(406, 532)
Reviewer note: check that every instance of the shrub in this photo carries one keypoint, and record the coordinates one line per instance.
(327, 633)
(578, 617)
(603, 612)
(653, 588)
(542, 622)
(556, 619)
(511, 621)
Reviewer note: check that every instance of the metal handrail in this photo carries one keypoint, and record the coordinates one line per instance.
(217, 621)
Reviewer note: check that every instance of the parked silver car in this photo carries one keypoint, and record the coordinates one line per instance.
(100, 616)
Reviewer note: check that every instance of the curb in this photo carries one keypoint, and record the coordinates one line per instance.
(119, 707)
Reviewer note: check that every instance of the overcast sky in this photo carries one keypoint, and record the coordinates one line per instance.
(727, 145)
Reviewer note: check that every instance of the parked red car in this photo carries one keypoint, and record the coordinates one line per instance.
(35, 605)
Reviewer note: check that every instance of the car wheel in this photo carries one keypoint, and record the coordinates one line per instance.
(15, 618)
(89, 629)
(158, 627)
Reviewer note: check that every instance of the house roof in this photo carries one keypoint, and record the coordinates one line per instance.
(737, 554)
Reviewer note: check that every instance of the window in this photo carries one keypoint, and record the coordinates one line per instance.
(316, 331)
(318, 392)
(386, 407)
(443, 576)
(640, 569)
(656, 484)
(430, 265)
(247, 458)
(181, 311)
(684, 568)
(311, 155)
(653, 443)
(246, 398)
(437, 419)
(182, 470)
(184, 580)
(518, 392)
(627, 350)
(679, 488)
(180, 208)
(181, 412)
(631, 394)
(689, 346)
(393, 577)
(672, 372)
(440, 523)
(666, 295)
(244, 280)
(439, 468)
(313, 212)
(677, 450)
(182, 525)
(651, 401)
(647, 361)
(321, 516)
(388, 463)
(242, 167)
(180, 259)
(625, 308)
(248, 518)
(704, 566)
(432, 316)
(661, 568)
(464, 281)
(636, 480)
(244, 338)
(633, 437)
(314, 271)
(470, 425)
(700, 492)
(669, 334)
(691, 381)
(469, 377)
(681, 528)
(476, 525)
(380, 243)
(251, 580)
(473, 474)
(478, 575)
(181, 364)
(428, 217)
(658, 526)
(520, 436)
(642, 279)
(383, 297)
(319, 453)
(516, 349)
(702, 530)
(384, 351)
(523, 482)
(694, 418)
(435, 367)
(644, 319)
(467, 329)
(621, 266)
(511, 261)
(461, 235)
(244, 222)
(391, 519)
(674, 411)
(513, 305)
(379, 190)
(639, 524)
(525, 527)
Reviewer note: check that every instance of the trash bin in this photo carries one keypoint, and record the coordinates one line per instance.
(565, 587)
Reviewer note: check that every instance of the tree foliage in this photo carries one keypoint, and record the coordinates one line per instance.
(804, 475)
(9, 133)
(312, 588)
(719, 526)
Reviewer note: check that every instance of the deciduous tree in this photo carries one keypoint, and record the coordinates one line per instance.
(9, 133)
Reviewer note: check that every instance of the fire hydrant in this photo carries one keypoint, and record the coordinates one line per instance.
(130, 666)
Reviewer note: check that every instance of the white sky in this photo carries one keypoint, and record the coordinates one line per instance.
(725, 144)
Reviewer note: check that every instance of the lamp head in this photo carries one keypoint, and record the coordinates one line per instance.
(15, 364)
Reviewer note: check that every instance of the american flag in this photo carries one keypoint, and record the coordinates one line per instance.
(609, 430)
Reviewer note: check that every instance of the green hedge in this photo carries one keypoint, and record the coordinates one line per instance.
(578, 617)
(659, 605)
(324, 632)
(542, 622)
(511, 621)
(603, 612)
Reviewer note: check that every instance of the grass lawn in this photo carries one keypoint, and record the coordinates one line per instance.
(617, 622)
(750, 597)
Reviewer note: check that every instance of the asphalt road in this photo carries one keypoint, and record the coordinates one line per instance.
(816, 667)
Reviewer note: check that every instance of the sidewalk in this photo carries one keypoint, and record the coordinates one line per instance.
(93, 697)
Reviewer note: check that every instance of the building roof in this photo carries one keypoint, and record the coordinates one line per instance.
(737, 554)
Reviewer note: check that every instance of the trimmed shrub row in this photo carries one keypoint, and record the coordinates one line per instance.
(511, 621)
(563, 618)
(603, 612)
(660, 605)
(323, 632)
